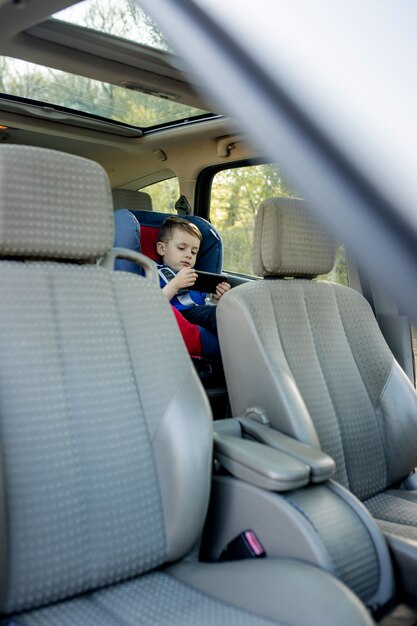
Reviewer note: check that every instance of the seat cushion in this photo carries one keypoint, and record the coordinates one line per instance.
(245, 593)
(154, 599)
(396, 512)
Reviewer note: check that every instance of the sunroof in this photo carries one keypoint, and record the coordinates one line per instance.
(55, 88)
(120, 18)
(52, 87)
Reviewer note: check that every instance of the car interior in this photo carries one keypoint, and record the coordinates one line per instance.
(143, 480)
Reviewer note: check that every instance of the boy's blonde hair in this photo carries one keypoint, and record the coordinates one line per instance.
(173, 223)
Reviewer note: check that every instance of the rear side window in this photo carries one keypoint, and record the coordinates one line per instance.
(164, 195)
(339, 273)
(235, 196)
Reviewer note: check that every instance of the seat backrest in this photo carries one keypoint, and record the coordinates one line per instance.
(126, 235)
(132, 200)
(99, 401)
(310, 354)
(210, 255)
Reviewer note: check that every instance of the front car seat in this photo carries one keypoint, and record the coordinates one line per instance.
(310, 355)
(106, 434)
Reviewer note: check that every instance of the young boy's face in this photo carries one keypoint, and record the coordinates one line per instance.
(180, 251)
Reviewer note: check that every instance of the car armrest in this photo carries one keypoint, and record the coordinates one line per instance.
(322, 466)
(258, 464)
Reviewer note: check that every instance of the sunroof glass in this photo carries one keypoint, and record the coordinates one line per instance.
(120, 18)
(54, 87)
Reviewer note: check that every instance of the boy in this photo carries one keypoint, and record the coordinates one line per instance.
(178, 245)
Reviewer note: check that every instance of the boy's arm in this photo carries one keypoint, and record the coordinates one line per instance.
(170, 290)
(183, 280)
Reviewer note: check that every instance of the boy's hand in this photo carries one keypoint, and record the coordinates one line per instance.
(221, 289)
(185, 278)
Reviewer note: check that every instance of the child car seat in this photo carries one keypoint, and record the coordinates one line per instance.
(210, 255)
(142, 238)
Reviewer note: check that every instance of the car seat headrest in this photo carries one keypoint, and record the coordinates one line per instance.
(53, 205)
(288, 240)
(210, 255)
(132, 200)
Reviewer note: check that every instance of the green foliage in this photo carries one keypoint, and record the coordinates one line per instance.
(339, 273)
(235, 196)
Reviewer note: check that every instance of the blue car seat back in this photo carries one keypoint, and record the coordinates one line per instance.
(126, 235)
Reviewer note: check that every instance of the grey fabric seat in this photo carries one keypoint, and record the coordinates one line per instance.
(106, 434)
(310, 354)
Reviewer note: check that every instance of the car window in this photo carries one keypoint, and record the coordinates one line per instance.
(339, 273)
(164, 194)
(235, 196)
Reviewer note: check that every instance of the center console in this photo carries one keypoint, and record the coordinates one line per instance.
(282, 492)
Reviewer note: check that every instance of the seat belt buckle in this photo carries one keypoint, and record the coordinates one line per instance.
(244, 546)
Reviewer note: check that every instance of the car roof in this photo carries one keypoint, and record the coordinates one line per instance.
(166, 115)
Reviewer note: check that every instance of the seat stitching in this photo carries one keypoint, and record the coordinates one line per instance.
(326, 385)
(135, 382)
(69, 413)
(129, 355)
(361, 378)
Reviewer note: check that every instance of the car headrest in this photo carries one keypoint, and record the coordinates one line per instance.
(126, 235)
(53, 205)
(210, 255)
(132, 200)
(288, 240)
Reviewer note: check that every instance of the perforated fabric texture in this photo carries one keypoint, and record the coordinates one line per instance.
(155, 599)
(345, 537)
(132, 200)
(53, 205)
(288, 240)
(395, 512)
(79, 404)
(339, 373)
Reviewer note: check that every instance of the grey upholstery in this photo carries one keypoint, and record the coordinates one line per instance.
(34, 228)
(132, 200)
(289, 241)
(106, 438)
(310, 354)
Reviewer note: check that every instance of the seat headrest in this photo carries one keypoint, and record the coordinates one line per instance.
(288, 240)
(210, 255)
(53, 205)
(132, 200)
